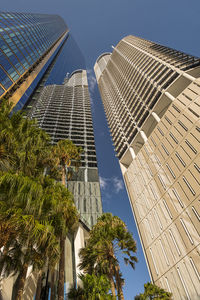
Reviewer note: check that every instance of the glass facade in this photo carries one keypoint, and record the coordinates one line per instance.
(24, 39)
(67, 59)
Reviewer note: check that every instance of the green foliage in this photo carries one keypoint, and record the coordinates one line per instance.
(35, 210)
(94, 288)
(108, 238)
(76, 294)
(64, 152)
(152, 291)
(65, 158)
(24, 147)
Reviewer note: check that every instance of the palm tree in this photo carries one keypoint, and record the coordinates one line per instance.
(60, 210)
(35, 253)
(19, 201)
(23, 145)
(76, 294)
(108, 238)
(94, 288)
(4, 159)
(34, 241)
(66, 216)
(62, 156)
(26, 149)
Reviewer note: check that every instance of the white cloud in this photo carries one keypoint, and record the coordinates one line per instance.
(118, 184)
(103, 182)
(114, 183)
(91, 80)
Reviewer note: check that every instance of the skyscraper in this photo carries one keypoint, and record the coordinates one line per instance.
(43, 73)
(28, 44)
(151, 98)
(63, 111)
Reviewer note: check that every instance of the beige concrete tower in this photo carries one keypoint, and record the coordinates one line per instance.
(151, 96)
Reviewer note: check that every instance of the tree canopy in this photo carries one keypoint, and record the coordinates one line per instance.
(109, 238)
(152, 291)
(36, 211)
(93, 288)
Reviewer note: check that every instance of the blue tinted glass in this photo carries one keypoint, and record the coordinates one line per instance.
(4, 79)
(68, 61)
(25, 37)
(6, 64)
(1, 91)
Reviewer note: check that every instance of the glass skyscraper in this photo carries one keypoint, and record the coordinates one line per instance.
(28, 44)
(43, 72)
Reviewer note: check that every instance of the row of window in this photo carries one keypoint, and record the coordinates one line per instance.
(24, 38)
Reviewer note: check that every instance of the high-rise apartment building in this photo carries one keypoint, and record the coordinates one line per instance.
(151, 97)
(64, 112)
(42, 71)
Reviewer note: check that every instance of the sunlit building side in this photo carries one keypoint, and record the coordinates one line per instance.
(151, 97)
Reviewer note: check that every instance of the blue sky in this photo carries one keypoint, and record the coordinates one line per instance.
(96, 25)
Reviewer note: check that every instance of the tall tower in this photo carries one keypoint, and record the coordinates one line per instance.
(64, 112)
(151, 99)
(28, 44)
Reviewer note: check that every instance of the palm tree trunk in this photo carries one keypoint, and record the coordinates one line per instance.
(21, 282)
(39, 286)
(5, 234)
(63, 175)
(119, 284)
(5, 250)
(52, 285)
(61, 279)
(110, 276)
(112, 284)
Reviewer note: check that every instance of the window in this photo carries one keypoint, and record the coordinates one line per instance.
(97, 206)
(154, 261)
(195, 269)
(84, 205)
(196, 213)
(91, 220)
(183, 283)
(186, 230)
(174, 241)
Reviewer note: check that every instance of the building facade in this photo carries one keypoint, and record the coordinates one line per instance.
(151, 97)
(28, 44)
(64, 112)
(42, 71)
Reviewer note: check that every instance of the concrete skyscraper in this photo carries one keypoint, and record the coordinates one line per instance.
(42, 71)
(63, 111)
(151, 97)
